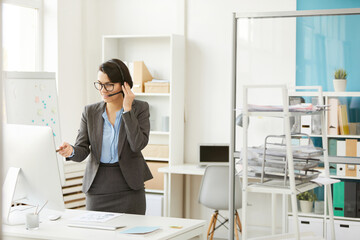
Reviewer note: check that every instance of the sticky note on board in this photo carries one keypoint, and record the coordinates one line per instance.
(37, 99)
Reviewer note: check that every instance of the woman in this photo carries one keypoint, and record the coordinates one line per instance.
(113, 132)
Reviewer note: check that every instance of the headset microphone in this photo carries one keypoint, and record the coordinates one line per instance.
(110, 95)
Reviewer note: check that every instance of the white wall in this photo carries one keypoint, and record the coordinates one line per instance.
(70, 67)
(207, 26)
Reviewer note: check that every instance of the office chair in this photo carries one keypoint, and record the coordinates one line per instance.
(214, 194)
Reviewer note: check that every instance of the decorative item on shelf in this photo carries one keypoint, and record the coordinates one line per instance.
(340, 80)
(140, 74)
(306, 200)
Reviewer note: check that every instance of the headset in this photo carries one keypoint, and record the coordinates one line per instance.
(122, 78)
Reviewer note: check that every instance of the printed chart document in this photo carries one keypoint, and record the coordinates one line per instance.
(324, 180)
(140, 230)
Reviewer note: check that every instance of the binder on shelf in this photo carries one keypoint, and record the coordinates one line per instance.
(306, 124)
(340, 170)
(351, 146)
(350, 170)
(338, 199)
(358, 149)
(333, 123)
(140, 75)
(343, 120)
(332, 167)
(358, 171)
(352, 128)
(332, 147)
(358, 199)
(340, 148)
(350, 207)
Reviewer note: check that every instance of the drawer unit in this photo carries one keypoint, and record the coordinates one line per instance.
(348, 230)
(307, 224)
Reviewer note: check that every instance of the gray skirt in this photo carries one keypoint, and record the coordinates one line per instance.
(109, 192)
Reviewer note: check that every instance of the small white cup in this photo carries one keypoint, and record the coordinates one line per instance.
(32, 221)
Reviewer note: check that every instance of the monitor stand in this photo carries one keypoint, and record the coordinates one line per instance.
(12, 215)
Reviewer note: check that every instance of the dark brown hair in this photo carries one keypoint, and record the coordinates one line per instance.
(117, 71)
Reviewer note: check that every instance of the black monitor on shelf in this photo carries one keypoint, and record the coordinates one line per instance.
(213, 154)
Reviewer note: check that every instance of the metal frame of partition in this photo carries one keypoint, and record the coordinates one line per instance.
(259, 15)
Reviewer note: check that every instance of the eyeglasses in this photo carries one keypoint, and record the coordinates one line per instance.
(108, 86)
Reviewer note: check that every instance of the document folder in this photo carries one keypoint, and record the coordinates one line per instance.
(358, 199)
(350, 199)
(338, 199)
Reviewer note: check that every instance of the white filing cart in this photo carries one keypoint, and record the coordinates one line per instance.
(275, 186)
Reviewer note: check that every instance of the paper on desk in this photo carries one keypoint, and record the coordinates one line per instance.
(95, 217)
(325, 180)
(140, 230)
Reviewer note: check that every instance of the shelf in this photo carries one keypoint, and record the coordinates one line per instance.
(348, 160)
(156, 159)
(159, 133)
(152, 94)
(337, 136)
(325, 94)
(342, 94)
(136, 36)
(314, 215)
(344, 177)
(281, 114)
(274, 186)
(154, 191)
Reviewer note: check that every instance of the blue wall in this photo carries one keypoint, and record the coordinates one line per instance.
(324, 44)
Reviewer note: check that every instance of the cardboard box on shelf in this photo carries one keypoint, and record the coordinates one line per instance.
(157, 183)
(140, 74)
(157, 87)
(156, 151)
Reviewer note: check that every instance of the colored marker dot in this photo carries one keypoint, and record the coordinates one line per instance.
(49, 96)
(32, 121)
(54, 122)
(43, 120)
(54, 134)
(52, 119)
(47, 124)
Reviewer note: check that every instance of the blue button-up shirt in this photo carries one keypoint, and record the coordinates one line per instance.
(109, 150)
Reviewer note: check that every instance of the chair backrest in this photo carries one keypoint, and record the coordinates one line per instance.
(214, 190)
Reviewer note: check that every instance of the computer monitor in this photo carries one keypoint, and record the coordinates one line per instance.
(32, 149)
(214, 153)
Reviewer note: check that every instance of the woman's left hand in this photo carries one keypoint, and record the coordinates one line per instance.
(128, 98)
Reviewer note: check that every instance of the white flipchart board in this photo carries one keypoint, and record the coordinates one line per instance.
(31, 99)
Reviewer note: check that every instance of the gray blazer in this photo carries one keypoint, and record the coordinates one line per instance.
(133, 137)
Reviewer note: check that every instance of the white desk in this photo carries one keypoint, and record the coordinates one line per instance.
(184, 169)
(187, 170)
(59, 229)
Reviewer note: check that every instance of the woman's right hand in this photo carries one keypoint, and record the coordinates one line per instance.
(65, 150)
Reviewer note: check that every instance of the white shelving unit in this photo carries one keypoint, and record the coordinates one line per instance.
(344, 225)
(164, 57)
(250, 18)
